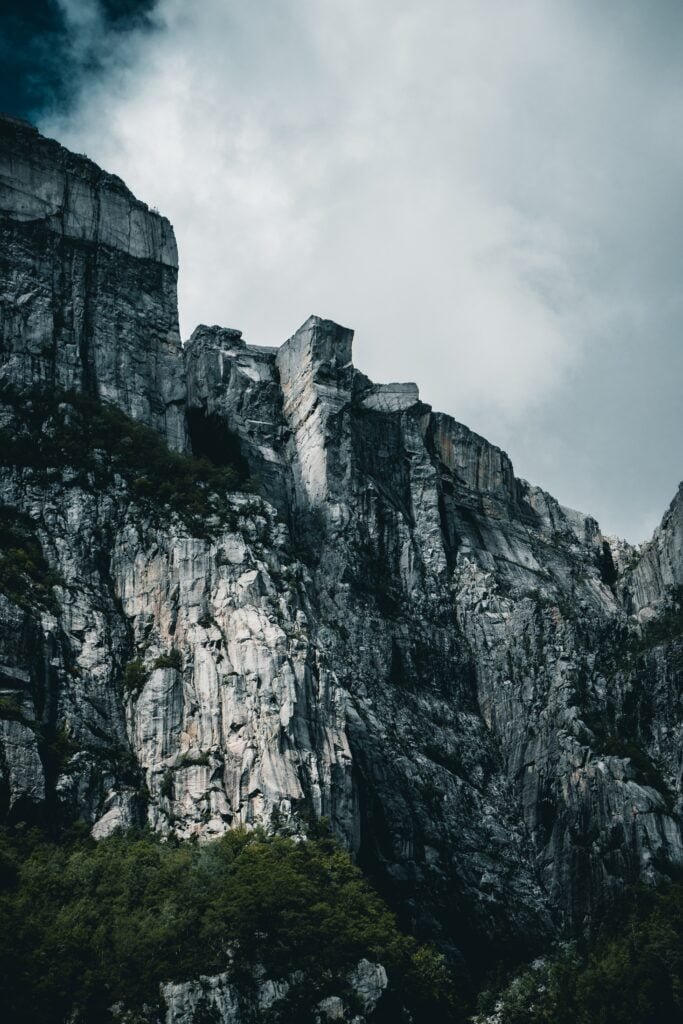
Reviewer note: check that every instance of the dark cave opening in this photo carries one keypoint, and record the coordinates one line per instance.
(212, 439)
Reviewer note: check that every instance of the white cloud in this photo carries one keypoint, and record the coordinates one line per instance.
(454, 180)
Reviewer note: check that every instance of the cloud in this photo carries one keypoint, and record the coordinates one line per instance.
(50, 50)
(484, 191)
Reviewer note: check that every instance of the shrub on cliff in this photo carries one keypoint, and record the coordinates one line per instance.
(97, 441)
(25, 576)
(630, 973)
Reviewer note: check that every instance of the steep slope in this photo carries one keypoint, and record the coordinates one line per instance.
(480, 694)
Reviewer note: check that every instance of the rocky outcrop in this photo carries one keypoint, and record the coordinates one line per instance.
(398, 634)
(236, 386)
(88, 272)
(218, 998)
(659, 570)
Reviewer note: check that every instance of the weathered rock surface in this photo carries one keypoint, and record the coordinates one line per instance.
(659, 569)
(217, 998)
(399, 635)
(88, 273)
(252, 721)
(464, 607)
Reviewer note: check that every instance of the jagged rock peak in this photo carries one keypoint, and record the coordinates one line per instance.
(317, 343)
(659, 571)
(216, 335)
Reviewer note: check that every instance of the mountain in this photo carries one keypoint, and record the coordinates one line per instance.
(244, 586)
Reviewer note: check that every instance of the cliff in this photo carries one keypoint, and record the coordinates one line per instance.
(479, 691)
(88, 283)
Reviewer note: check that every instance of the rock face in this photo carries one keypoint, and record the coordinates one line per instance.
(252, 720)
(478, 690)
(659, 570)
(88, 283)
(474, 626)
(217, 998)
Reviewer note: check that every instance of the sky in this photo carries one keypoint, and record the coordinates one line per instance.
(489, 193)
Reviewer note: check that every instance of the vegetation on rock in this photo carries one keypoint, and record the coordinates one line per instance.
(172, 659)
(85, 926)
(25, 576)
(631, 972)
(97, 441)
(134, 677)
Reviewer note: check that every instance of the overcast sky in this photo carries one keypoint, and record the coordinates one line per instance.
(490, 193)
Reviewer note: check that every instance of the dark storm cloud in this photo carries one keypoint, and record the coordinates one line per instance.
(32, 40)
(50, 48)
